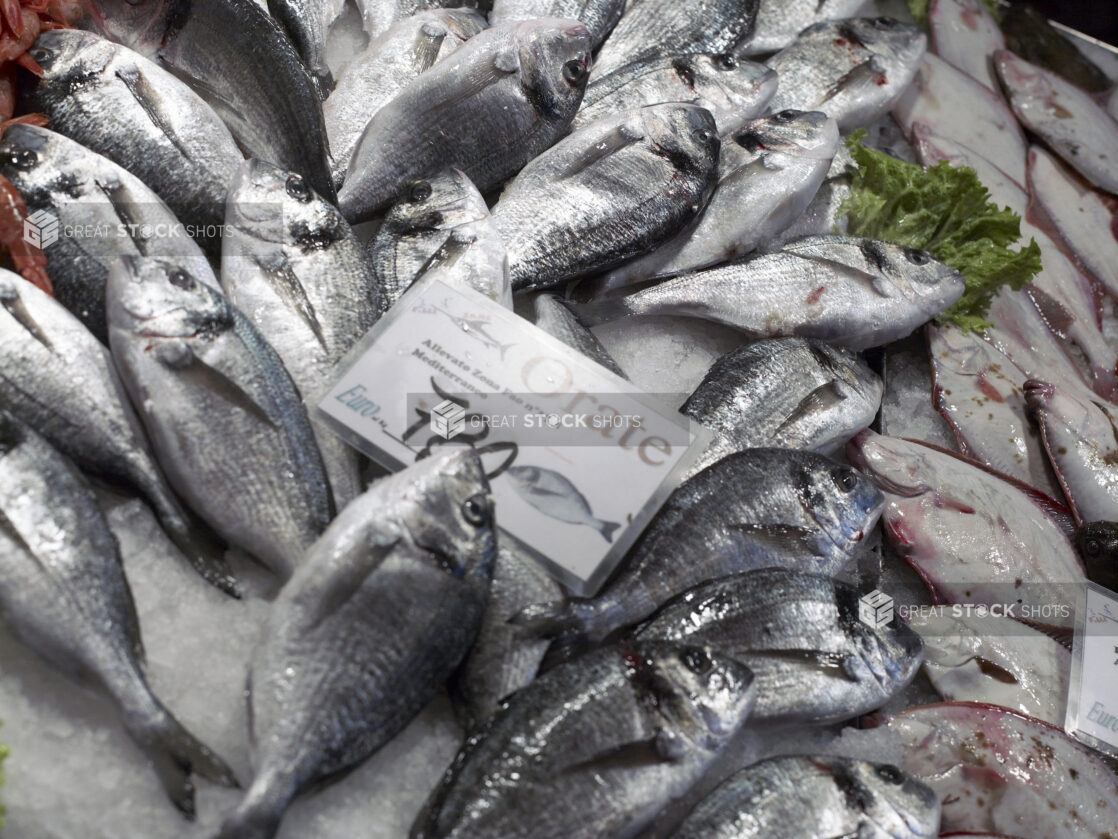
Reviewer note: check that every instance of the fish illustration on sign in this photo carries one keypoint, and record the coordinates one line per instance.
(556, 497)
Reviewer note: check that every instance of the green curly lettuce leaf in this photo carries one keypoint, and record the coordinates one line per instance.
(947, 212)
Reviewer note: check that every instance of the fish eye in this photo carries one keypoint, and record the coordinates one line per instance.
(297, 188)
(703, 136)
(181, 279)
(726, 62)
(786, 116)
(890, 774)
(1092, 547)
(575, 71)
(23, 158)
(476, 510)
(845, 479)
(917, 257)
(40, 54)
(685, 73)
(696, 661)
(419, 192)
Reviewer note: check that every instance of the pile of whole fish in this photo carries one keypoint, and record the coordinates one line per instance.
(212, 166)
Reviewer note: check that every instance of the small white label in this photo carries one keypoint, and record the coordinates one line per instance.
(1093, 700)
(580, 459)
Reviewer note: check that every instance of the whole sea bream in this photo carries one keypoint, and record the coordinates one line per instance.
(385, 67)
(224, 417)
(386, 605)
(64, 594)
(57, 378)
(293, 266)
(853, 70)
(820, 797)
(240, 61)
(508, 94)
(733, 91)
(755, 509)
(119, 104)
(108, 210)
(854, 293)
(607, 193)
(652, 28)
(593, 749)
(769, 171)
(598, 16)
(813, 659)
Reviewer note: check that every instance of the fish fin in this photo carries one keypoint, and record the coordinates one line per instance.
(140, 89)
(780, 537)
(448, 254)
(18, 310)
(176, 754)
(176, 355)
(822, 398)
(1059, 319)
(558, 617)
(868, 72)
(506, 61)
(637, 755)
(259, 814)
(211, 566)
(875, 281)
(597, 312)
(294, 297)
(620, 138)
(324, 601)
(564, 647)
(606, 528)
(838, 664)
(428, 41)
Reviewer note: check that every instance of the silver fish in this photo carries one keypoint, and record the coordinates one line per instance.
(593, 749)
(380, 15)
(59, 379)
(780, 21)
(417, 227)
(599, 16)
(652, 28)
(473, 256)
(556, 497)
(240, 61)
(1081, 439)
(557, 320)
(820, 797)
(103, 213)
(813, 660)
(223, 415)
(607, 193)
(853, 70)
(386, 66)
(755, 509)
(1069, 120)
(503, 660)
(854, 293)
(769, 172)
(510, 93)
(995, 660)
(307, 23)
(161, 131)
(733, 91)
(64, 593)
(785, 393)
(368, 630)
(293, 266)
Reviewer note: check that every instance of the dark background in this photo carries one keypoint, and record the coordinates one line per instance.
(1097, 18)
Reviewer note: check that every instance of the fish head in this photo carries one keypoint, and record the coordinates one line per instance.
(1097, 543)
(555, 62)
(896, 803)
(685, 134)
(892, 464)
(154, 297)
(892, 653)
(913, 273)
(30, 157)
(841, 500)
(66, 53)
(805, 134)
(447, 510)
(1067, 416)
(273, 205)
(727, 83)
(447, 200)
(137, 24)
(702, 695)
(897, 44)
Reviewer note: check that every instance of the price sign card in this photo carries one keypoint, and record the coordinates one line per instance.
(1093, 699)
(579, 459)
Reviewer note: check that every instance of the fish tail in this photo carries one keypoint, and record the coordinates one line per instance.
(601, 311)
(204, 554)
(259, 814)
(176, 754)
(606, 528)
(563, 618)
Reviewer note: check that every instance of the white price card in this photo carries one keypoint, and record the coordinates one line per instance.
(579, 458)
(1093, 698)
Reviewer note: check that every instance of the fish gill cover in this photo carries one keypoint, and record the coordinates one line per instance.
(945, 211)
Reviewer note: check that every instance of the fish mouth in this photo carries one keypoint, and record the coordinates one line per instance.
(855, 452)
